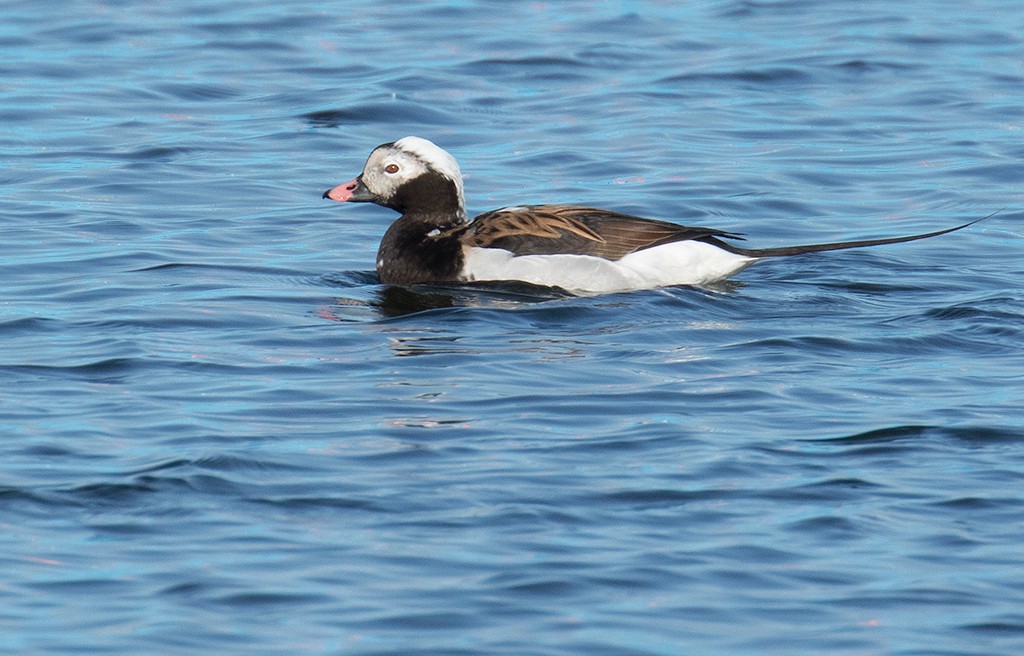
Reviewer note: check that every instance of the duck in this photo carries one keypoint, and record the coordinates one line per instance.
(579, 249)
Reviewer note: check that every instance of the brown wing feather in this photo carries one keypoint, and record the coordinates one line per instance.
(544, 221)
(552, 229)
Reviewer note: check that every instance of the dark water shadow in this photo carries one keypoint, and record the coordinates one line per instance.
(394, 302)
(386, 302)
(912, 432)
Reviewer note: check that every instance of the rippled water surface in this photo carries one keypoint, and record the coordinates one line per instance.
(222, 435)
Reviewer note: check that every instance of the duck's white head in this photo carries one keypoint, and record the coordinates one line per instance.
(411, 175)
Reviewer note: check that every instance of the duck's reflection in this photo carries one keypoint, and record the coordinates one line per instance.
(394, 302)
(401, 301)
(391, 302)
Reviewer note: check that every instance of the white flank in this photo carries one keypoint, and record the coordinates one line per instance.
(679, 263)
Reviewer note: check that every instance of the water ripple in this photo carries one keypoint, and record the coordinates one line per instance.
(223, 434)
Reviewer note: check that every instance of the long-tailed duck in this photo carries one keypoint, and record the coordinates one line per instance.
(579, 249)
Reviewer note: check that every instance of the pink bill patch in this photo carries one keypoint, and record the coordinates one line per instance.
(343, 192)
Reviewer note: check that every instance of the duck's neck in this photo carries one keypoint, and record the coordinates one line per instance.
(431, 198)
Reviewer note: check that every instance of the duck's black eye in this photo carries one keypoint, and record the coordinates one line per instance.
(391, 168)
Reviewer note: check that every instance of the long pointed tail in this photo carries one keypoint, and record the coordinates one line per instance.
(840, 245)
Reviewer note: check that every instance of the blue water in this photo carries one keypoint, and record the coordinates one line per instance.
(221, 435)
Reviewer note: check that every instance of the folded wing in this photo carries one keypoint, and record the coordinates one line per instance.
(578, 230)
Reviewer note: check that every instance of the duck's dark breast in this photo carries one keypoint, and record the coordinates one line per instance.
(412, 252)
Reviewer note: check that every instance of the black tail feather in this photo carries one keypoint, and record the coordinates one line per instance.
(840, 245)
